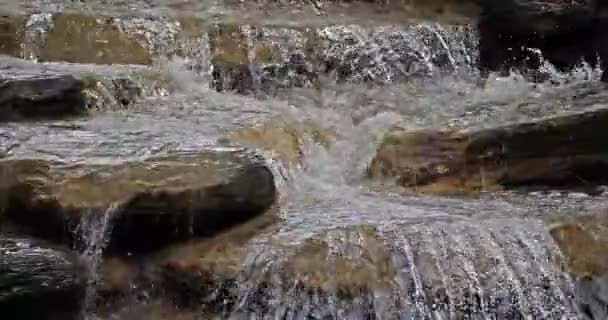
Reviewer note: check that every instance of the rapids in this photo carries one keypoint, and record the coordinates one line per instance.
(426, 257)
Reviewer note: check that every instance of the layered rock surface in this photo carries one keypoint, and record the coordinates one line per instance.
(560, 150)
(38, 283)
(173, 198)
(29, 91)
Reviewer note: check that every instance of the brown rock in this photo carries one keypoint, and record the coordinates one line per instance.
(173, 198)
(12, 29)
(283, 138)
(80, 38)
(584, 244)
(371, 266)
(559, 150)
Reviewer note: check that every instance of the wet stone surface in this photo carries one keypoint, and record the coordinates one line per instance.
(174, 219)
(38, 282)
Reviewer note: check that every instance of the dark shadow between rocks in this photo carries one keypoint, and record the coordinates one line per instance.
(522, 43)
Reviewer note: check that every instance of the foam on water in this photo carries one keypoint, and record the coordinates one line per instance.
(445, 258)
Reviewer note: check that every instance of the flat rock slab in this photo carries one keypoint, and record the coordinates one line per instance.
(149, 203)
(560, 150)
(32, 91)
(38, 283)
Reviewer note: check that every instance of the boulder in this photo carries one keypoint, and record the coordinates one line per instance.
(38, 283)
(41, 96)
(583, 241)
(33, 91)
(147, 204)
(206, 276)
(562, 150)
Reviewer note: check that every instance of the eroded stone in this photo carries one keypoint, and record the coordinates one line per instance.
(559, 150)
(173, 198)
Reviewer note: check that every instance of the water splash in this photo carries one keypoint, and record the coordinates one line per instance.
(94, 231)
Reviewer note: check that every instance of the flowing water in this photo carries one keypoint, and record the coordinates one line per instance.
(398, 256)
(94, 231)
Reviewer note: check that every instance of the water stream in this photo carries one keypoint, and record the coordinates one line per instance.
(368, 252)
(94, 232)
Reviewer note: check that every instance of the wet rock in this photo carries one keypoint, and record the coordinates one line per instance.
(41, 96)
(584, 243)
(206, 275)
(173, 198)
(284, 139)
(79, 38)
(563, 150)
(395, 54)
(12, 30)
(44, 95)
(38, 283)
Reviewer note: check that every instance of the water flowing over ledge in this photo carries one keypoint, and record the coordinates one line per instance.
(240, 157)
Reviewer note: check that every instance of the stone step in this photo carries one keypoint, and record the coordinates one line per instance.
(147, 204)
(245, 57)
(44, 91)
(561, 150)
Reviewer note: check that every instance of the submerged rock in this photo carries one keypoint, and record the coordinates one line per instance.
(283, 139)
(151, 202)
(38, 283)
(561, 150)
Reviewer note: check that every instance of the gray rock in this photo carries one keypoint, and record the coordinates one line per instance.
(38, 283)
(40, 96)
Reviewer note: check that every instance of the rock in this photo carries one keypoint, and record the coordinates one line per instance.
(12, 30)
(173, 198)
(583, 241)
(40, 97)
(79, 38)
(38, 283)
(203, 274)
(206, 275)
(562, 150)
(284, 139)
(34, 91)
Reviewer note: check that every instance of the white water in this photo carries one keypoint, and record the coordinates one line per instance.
(454, 258)
(94, 231)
